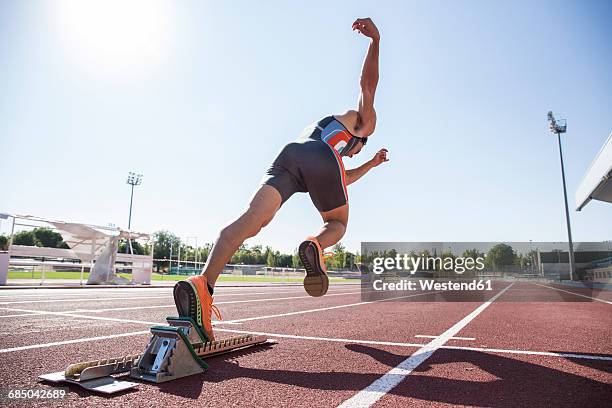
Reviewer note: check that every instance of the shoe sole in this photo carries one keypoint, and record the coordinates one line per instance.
(186, 300)
(316, 281)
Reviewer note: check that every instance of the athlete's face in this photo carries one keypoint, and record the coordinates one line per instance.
(355, 149)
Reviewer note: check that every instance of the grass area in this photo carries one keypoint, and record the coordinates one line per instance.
(156, 277)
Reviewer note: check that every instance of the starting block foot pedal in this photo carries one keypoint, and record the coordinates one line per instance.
(103, 385)
(96, 376)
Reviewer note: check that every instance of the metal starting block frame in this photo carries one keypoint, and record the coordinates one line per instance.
(174, 351)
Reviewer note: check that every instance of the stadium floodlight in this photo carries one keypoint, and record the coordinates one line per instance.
(559, 126)
(133, 180)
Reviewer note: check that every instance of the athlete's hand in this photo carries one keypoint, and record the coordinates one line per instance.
(366, 27)
(379, 157)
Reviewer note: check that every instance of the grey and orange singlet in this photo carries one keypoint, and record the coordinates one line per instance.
(313, 164)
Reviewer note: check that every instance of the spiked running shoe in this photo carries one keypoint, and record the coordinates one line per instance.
(316, 281)
(193, 300)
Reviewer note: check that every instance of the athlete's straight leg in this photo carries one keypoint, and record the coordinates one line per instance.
(259, 213)
(334, 227)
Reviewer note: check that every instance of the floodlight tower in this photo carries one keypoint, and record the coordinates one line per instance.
(133, 180)
(559, 126)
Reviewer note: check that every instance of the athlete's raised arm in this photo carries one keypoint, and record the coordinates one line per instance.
(363, 121)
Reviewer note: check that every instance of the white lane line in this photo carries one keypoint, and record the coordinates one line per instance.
(92, 299)
(379, 388)
(61, 343)
(110, 319)
(89, 317)
(391, 343)
(17, 315)
(532, 353)
(248, 319)
(326, 339)
(423, 336)
(117, 309)
(19, 302)
(114, 309)
(574, 293)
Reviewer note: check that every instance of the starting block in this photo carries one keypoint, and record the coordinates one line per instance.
(174, 351)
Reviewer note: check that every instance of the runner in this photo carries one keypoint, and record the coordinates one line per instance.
(313, 164)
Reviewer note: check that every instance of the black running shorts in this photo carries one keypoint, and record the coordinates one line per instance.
(313, 166)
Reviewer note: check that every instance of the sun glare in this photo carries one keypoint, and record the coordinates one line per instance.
(119, 37)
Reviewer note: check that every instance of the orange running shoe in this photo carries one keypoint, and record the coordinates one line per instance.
(316, 281)
(193, 299)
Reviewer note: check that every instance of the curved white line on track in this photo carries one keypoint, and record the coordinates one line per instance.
(574, 293)
(379, 388)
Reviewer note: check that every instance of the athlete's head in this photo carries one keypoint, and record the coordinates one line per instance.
(358, 146)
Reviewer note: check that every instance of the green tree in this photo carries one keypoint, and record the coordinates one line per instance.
(4, 243)
(136, 247)
(285, 260)
(296, 262)
(500, 255)
(162, 242)
(49, 238)
(26, 238)
(271, 259)
(473, 253)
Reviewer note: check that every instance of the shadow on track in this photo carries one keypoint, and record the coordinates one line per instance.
(518, 383)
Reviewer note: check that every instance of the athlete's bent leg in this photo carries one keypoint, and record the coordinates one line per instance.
(259, 213)
(334, 227)
(310, 251)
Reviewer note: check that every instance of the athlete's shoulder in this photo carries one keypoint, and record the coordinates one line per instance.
(350, 120)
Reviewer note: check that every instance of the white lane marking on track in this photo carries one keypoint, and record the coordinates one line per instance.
(248, 319)
(88, 317)
(532, 353)
(61, 343)
(216, 303)
(574, 293)
(17, 315)
(329, 339)
(110, 319)
(390, 343)
(78, 291)
(221, 291)
(169, 306)
(92, 299)
(379, 388)
(423, 336)
(19, 302)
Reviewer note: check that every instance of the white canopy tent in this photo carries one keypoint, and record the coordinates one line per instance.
(597, 182)
(95, 246)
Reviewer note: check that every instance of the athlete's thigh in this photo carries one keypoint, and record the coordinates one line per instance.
(263, 205)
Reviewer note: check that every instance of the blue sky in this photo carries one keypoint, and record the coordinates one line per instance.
(200, 96)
